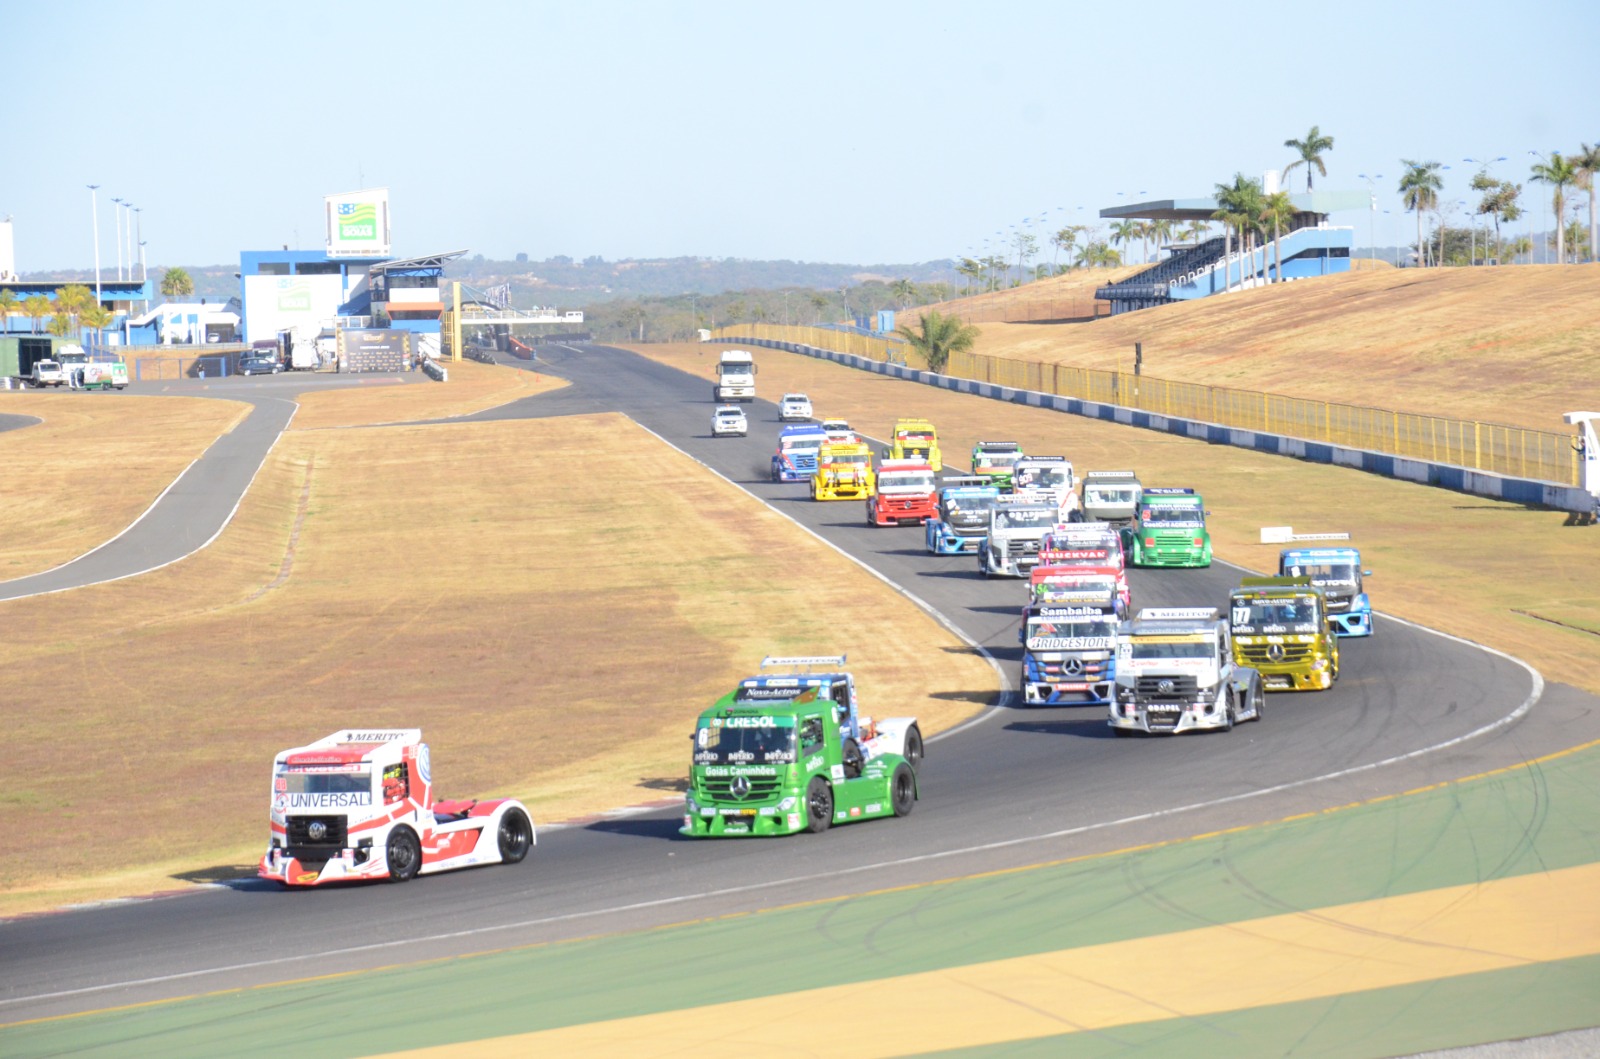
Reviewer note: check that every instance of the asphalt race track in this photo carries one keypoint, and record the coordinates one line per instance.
(1016, 786)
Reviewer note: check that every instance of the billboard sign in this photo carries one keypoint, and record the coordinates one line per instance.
(358, 223)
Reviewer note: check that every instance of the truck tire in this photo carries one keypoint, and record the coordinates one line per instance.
(404, 855)
(902, 790)
(914, 749)
(854, 760)
(819, 805)
(516, 835)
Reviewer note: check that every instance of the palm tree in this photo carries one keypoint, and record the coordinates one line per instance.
(1277, 209)
(971, 270)
(1125, 232)
(904, 291)
(1587, 162)
(96, 316)
(60, 323)
(1239, 209)
(1419, 190)
(1198, 230)
(1161, 231)
(8, 306)
(73, 299)
(938, 337)
(1311, 151)
(175, 283)
(36, 307)
(1560, 174)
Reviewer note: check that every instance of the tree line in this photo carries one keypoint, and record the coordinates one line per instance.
(70, 308)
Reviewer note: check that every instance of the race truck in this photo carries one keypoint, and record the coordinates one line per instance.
(844, 472)
(961, 517)
(1090, 545)
(728, 421)
(796, 458)
(1337, 571)
(794, 406)
(1169, 529)
(1052, 475)
(904, 494)
(839, 431)
(994, 459)
(1176, 673)
(1280, 629)
(736, 376)
(915, 439)
(788, 751)
(1067, 584)
(47, 373)
(358, 804)
(1069, 644)
(1016, 525)
(1111, 496)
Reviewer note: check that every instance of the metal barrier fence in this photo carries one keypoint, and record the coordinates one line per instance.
(1516, 452)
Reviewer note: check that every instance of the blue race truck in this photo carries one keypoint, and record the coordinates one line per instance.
(1337, 571)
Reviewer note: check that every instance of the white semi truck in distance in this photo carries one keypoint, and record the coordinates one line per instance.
(736, 377)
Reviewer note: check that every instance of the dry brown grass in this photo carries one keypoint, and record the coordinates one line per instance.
(1505, 345)
(424, 576)
(93, 465)
(1463, 564)
(473, 387)
(1066, 296)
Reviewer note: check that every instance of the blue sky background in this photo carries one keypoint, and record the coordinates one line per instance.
(825, 131)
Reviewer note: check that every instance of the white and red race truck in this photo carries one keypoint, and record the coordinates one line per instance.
(358, 805)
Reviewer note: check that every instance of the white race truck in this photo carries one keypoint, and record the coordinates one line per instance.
(1048, 474)
(358, 804)
(1175, 673)
(1017, 524)
(736, 376)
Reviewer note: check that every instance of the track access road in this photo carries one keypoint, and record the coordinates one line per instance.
(1016, 786)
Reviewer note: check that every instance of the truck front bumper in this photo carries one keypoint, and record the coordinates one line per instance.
(1352, 623)
(1082, 693)
(1169, 719)
(280, 866)
(724, 821)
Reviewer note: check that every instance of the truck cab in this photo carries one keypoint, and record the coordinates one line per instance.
(787, 750)
(1069, 640)
(961, 516)
(358, 805)
(1337, 571)
(1280, 629)
(1092, 545)
(736, 376)
(844, 472)
(1017, 525)
(1049, 476)
(796, 458)
(1176, 673)
(994, 460)
(1111, 496)
(915, 439)
(1169, 529)
(904, 494)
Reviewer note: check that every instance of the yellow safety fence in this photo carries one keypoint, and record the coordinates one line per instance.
(1516, 452)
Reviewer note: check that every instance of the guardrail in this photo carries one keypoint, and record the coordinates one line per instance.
(1260, 421)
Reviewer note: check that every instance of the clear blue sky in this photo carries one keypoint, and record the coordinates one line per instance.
(822, 131)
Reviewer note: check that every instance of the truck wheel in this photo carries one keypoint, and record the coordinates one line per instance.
(902, 790)
(1260, 698)
(914, 753)
(1229, 715)
(404, 854)
(854, 760)
(819, 805)
(516, 835)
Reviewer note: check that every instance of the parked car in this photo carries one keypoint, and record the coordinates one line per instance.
(257, 364)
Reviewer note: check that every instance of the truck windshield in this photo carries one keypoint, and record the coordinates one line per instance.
(756, 741)
(801, 444)
(915, 437)
(1171, 515)
(1024, 518)
(1041, 478)
(321, 779)
(996, 459)
(912, 482)
(969, 506)
(1096, 495)
(849, 457)
(1041, 630)
(1148, 650)
(1257, 613)
(1326, 573)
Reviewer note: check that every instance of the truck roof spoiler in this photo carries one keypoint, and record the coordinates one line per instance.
(1178, 614)
(1112, 474)
(957, 481)
(803, 661)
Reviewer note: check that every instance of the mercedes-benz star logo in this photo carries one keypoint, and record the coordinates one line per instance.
(1275, 651)
(1166, 687)
(1073, 666)
(740, 787)
(317, 831)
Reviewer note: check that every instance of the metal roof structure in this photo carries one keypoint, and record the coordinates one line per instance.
(1318, 202)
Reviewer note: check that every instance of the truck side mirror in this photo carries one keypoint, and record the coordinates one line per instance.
(1366, 573)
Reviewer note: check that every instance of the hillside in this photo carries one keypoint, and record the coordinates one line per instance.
(1064, 297)
(1510, 345)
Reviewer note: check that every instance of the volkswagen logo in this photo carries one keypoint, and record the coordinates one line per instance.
(1074, 666)
(1166, 687)
(1275, 651)
(317, 831)
(740, 787)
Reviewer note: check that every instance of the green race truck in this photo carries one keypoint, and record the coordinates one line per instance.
(1281, 630)
(1169, 529)
(773, 767)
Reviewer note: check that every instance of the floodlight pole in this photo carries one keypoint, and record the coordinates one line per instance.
(94, 213)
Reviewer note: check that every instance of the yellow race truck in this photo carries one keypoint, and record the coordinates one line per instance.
(844, 472)
(915, 439)
(1280, 629)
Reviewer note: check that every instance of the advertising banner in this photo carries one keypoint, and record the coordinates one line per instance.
(358, 223)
